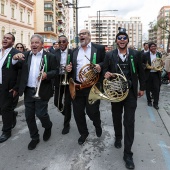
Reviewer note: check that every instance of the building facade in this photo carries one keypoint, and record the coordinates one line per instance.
(17, 17)
(51, 19)
(104, 31)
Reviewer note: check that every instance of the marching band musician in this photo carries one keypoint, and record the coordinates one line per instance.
(153, 78)
(80, 103)
(31, 64)
(129, 62)
(63, 55)
(8, 85)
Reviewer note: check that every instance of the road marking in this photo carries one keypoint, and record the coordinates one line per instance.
(151, 114)
(165, 153)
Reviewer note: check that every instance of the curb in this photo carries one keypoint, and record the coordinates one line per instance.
(165, 119)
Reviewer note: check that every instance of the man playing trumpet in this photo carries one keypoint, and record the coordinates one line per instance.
(62, 98)
(31, 64)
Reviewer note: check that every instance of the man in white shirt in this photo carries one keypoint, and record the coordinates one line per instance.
(35, 64)
(8, 85)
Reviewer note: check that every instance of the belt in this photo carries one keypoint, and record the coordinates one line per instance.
(33, 88)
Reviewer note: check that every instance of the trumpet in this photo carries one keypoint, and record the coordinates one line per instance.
(41, 71)
(63, 81)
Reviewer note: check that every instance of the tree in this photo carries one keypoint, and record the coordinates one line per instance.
(164, 24)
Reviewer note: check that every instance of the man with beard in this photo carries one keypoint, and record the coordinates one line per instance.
(8, 85)
(62, 98)
(86, 53)
(129, 62)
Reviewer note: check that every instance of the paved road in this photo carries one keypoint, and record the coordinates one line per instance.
(62, 152)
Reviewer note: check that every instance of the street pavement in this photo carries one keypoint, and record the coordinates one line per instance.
(151, 146)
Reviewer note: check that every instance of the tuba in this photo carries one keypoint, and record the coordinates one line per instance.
(88, 76)
(115, 90)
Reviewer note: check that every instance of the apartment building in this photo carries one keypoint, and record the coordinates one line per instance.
(104, 31)
(51, 19)
(17, 17)
(162, 35)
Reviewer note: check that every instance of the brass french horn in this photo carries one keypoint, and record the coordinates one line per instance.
(156, 64)
(115, 90)
(88, 76)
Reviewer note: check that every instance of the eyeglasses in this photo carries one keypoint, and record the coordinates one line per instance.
(120, 38)
(18, 47)
(64, 41)
(82, 33)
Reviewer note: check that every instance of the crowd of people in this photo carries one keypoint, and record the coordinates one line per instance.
(40, 74)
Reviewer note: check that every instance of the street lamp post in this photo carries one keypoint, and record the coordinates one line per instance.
(98, 20)
(72, 5)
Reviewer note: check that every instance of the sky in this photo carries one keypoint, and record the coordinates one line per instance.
(146, 9)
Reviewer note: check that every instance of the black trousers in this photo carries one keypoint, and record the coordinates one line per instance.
(80, 106)
(36, 107)
(153, 84)
(62, 99)
(6, 110)
(128, 107)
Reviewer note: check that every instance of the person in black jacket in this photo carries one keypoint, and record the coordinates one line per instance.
(8, 85)
(153, 78)
(129, 62)
(62, 98)
(86, 53)
(53, 48)
(31, 64)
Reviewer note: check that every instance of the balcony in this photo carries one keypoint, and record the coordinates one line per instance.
(48, 9)
(48, 29)
(60, 3)
(48, 20)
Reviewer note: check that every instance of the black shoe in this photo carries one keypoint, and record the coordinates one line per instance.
(129, 162)
(66, 130)
(156, 106)
(98, 131)
(47, 133)
(82, 139)
(32, 145)
(149, 103)
(118, 143)
(14, 119)
(5, 136)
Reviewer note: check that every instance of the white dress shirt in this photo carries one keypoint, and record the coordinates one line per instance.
(82, 60)
(63, 61)
(2, 59)
(123, 57)
(34, 69)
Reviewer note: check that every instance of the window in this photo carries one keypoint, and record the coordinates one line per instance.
(2, 7)
(21, 36)
(2, 32)
(28, 17)
(13, 11)
(21, 14)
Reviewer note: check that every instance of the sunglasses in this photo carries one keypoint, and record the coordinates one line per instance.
(64, 41)
(120, 38)
(18, 47)
(82, 33)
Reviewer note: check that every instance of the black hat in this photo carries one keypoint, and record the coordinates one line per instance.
(122, 31)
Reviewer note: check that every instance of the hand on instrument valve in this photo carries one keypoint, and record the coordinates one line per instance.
(108, 75)
(44, 76)
(98, 68)
(69, 67)
(19, 56)
(140, 93)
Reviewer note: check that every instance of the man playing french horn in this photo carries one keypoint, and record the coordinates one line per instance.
(87, 62)
(153, 66)
(62, 98)
(127, 62)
